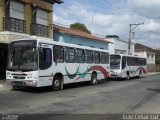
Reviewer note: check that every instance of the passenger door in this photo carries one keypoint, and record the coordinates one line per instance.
(123, 62)
(45, 64)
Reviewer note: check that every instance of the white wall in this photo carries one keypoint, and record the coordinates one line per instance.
(119, 46)
(140, 53)
(111, 46)
(150, 57)
(148, 54)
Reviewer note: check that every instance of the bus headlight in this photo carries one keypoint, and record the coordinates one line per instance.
(31, 83)
(8, 73)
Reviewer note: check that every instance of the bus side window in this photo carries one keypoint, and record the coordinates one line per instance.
(103, 59)
(107, 58)
(89, 56)
(128, 61)
(80, 56)
(96, 57)
(69, 55)
(144, 61)
(58, 55)
(132, 61)
(123, 62)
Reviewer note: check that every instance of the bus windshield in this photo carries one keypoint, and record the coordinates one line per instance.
(115, 61)
(22, 57)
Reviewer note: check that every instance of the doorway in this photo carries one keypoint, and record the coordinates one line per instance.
(3, 60)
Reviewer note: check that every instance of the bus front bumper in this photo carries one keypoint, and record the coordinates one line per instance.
(117, 76)
(30, 83)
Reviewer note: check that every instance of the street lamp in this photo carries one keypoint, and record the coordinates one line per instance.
(130, 32)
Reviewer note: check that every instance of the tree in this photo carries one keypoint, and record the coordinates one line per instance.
(80, 27)
(112, 36)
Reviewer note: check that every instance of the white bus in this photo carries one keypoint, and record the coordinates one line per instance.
(40, 62)
(127, 66)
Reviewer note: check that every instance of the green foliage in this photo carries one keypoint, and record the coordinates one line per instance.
(80, 27)
(112, 36)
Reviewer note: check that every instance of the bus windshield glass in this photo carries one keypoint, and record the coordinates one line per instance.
(115, 61)
(23, 56)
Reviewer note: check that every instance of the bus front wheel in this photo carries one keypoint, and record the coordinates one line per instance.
(94, 79)
(140, 74)
(57, 83)
(127, 76)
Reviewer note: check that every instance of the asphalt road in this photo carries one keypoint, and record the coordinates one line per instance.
(109, 97)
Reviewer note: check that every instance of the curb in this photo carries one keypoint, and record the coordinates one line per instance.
(152, 73)
(4, 85)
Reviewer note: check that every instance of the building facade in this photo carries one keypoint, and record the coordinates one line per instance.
(24, 18)
(67, 35)
(119, 46)
(147, 52)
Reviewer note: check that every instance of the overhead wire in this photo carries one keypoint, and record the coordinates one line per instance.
(88, 17)
(81, 14)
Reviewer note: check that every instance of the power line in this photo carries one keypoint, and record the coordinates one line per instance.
(38, 17)
(81, 14)
(89, 19)
(66, 5)
(113, 7)
(105, 6)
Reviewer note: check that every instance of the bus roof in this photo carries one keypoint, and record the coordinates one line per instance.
(50, 41)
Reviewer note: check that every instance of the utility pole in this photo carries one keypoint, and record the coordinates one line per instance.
(130, 33)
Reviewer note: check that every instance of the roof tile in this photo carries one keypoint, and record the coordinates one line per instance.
(139, 46)
(78, 33)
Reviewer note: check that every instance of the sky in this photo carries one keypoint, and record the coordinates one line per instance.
(113, 17)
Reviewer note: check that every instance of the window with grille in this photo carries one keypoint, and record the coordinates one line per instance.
(42, 17)
(17, 10)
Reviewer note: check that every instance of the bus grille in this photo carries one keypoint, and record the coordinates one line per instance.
(113, 75)
(18, 77)
(17, 83)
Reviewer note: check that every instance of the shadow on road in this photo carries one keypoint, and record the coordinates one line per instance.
(154, 90)
(67, 86)
(124, 79)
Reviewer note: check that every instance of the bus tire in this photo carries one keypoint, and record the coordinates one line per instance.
(57, 83)
(94, 80)
(140, 74)
(127, 76)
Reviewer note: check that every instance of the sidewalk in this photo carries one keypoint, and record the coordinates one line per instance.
(4, 85)
(152, 73)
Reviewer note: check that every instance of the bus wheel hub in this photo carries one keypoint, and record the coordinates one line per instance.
(56, 83)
